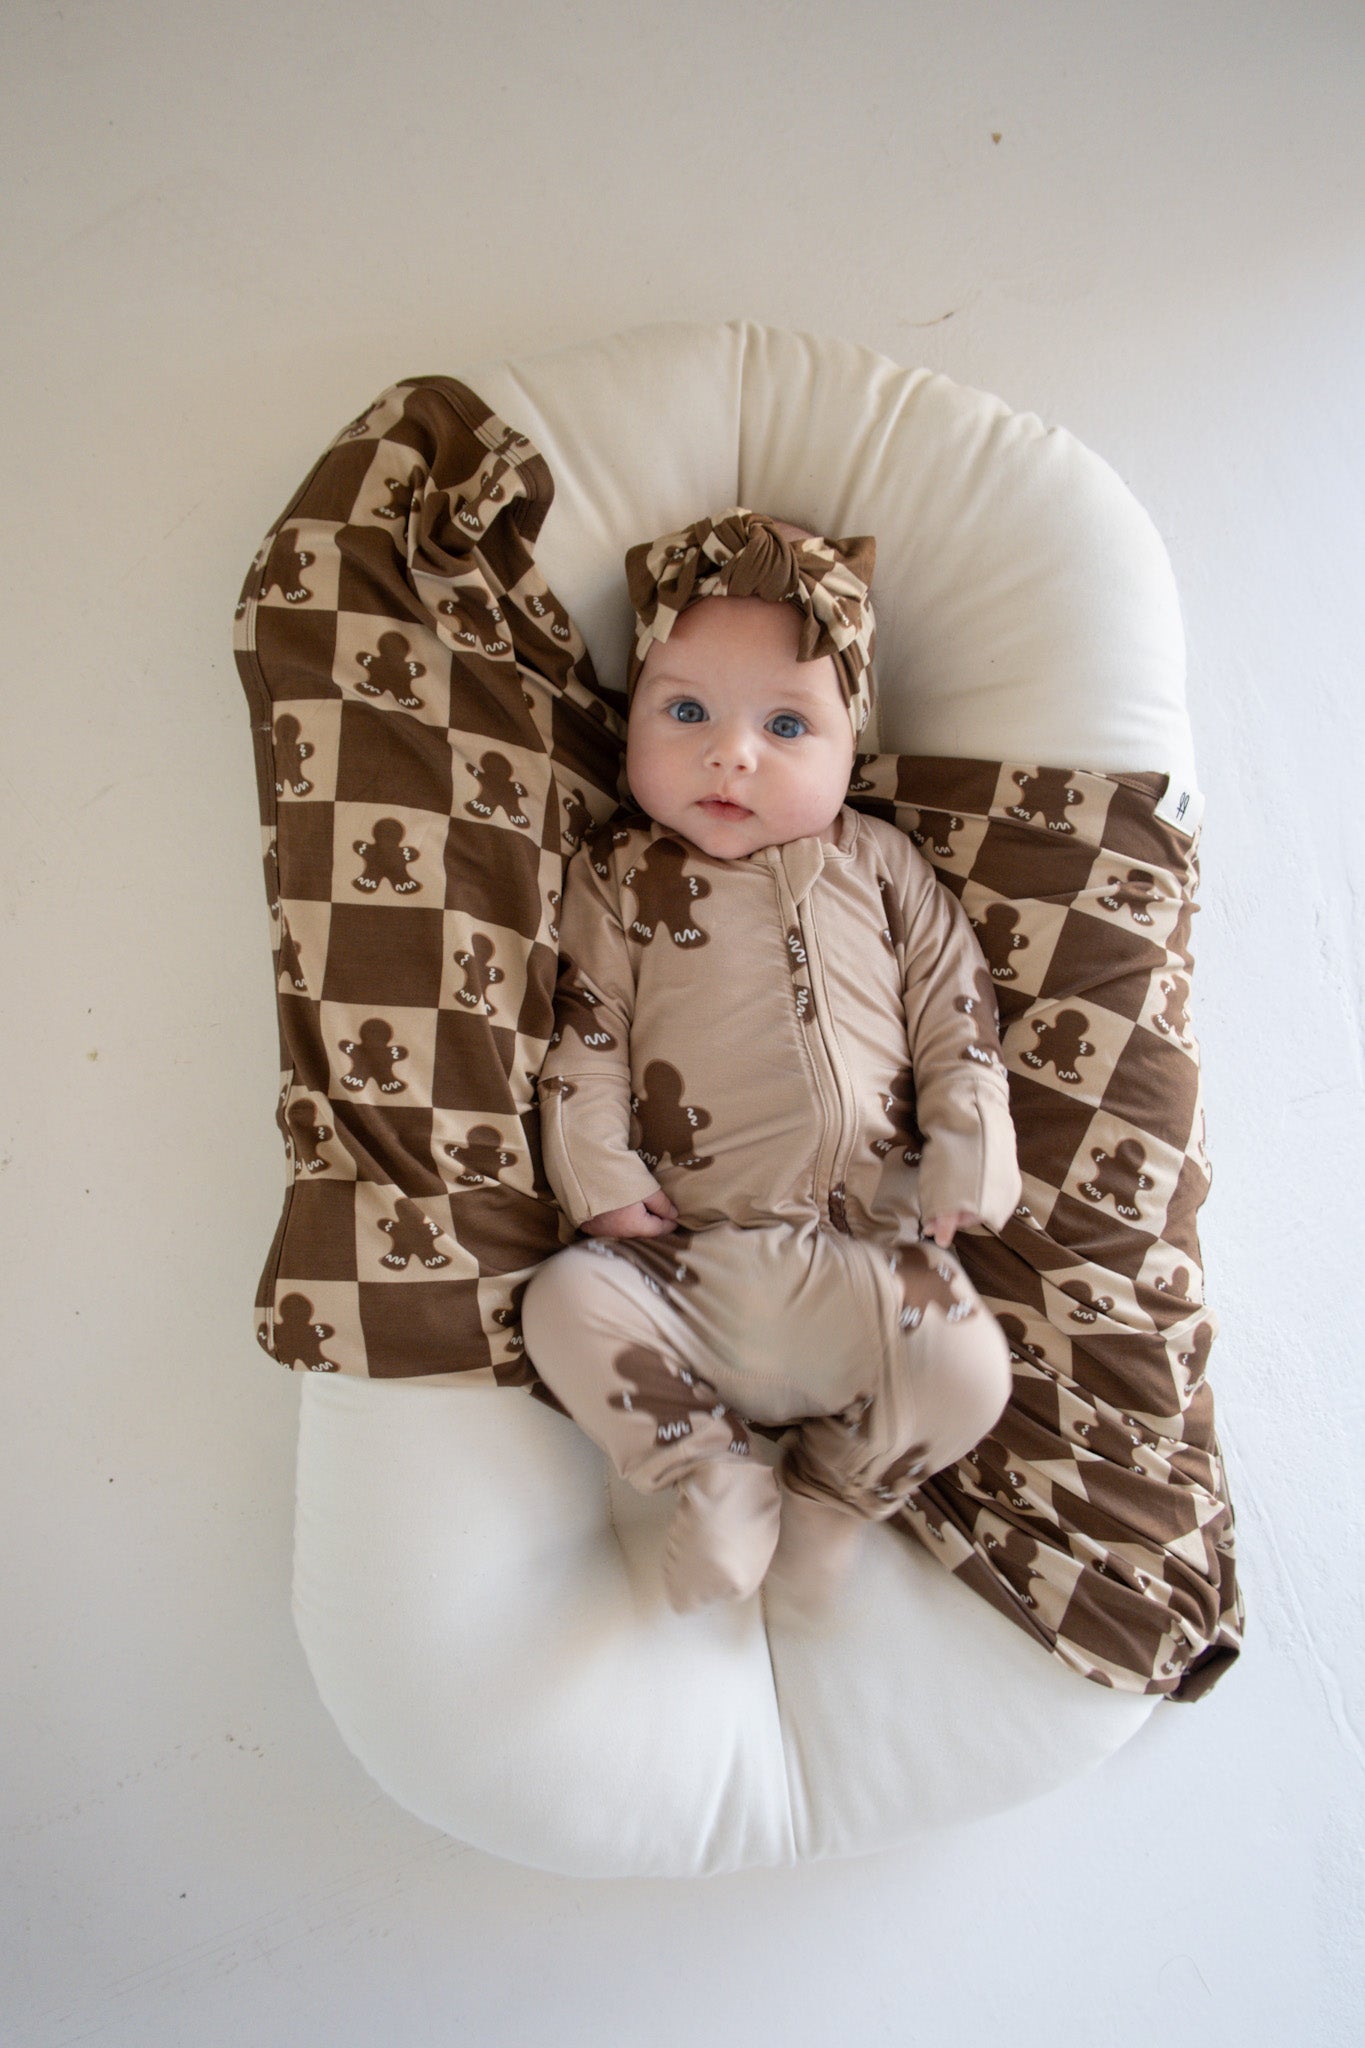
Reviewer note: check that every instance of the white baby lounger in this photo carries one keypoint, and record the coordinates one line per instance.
(479, 1598)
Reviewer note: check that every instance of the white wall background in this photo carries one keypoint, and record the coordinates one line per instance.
(226, 229)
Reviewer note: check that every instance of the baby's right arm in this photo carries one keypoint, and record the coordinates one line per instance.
(600, 1180)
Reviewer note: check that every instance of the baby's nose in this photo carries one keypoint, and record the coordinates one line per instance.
(731, 747)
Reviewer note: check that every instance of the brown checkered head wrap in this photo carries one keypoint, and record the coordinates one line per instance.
(743, 554)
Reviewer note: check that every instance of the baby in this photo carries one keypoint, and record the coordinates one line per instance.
(775, 1053)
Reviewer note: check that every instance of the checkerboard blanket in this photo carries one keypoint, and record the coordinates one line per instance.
(431, 745)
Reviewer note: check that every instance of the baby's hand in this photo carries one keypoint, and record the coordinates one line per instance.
(943, 1229)
(654, 1217)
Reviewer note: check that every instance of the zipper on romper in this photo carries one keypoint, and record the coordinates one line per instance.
(837, 1111)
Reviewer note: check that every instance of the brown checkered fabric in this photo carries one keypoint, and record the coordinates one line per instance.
(431, 745)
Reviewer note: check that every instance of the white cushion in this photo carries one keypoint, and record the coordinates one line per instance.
(478, 1596)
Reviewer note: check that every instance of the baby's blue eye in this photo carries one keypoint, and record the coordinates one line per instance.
(686, 707)
(789, 718)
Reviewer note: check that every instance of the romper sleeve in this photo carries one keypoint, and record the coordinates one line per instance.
(585, 1076)
(962, 1105)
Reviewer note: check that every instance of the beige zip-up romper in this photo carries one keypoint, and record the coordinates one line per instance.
(801, 1048)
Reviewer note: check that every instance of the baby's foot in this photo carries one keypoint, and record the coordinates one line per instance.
(815, 1551)
(723, 1533)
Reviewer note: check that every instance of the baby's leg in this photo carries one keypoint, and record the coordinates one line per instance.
(621, 1359)
(937, 1382)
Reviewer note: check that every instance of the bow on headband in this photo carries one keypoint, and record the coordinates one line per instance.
(741, 554)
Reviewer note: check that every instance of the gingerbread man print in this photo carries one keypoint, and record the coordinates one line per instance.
(1119, 1177)
(481, 1156)
(670, 1125)
(298, 1339)
(1060, 1045)
(499, 789)
(291, 751)
(373, 1058)
(412, 1235)
(665, 894)
(391, 668)
(1047, 795)
(480, 974)
(386, 859)
(1133, 893)
(284, 567)
(670, 1400)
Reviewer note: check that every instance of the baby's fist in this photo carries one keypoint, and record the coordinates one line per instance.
(654, 1217)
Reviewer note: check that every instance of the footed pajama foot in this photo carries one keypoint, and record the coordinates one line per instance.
(815, 1551)
(722, 1535)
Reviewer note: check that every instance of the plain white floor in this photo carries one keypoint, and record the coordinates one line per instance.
(226, 230)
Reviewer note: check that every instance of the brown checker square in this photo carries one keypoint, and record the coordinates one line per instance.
(1017, 939)
(319, 1235)
(1154, 1088)
(939, 784)
(587, 754)
(389, 1145)
(1181, 1231)
(535, 1017)
(302, 954)
(392, 1043)
(494, 874)
(330, 492)
(1049, 1126)
(1104, 963)
(1127, 1370)
(300, 1308)
(393, 666)
(373, 578)
(1109, 1620)
(1134, 832)
(411, 1331)
(388, 856)
(387, 758)
(505, 1229)
(303, 741)
(1015, 861)
(487, 701)
(303, 851)
(473, 1060)
(1097, 1236)
(380, 955)
(301, 1039)
(295, 649)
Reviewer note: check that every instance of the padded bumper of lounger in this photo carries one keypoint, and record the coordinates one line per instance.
(478, 1597)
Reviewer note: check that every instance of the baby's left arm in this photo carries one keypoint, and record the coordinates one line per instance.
(970, 1168)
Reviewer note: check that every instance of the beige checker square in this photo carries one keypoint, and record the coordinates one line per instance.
(315, 1326)
(1070, 1045)
(304, 734)
(1111, 1166)
(1177, 1278)
(388, 854)
(403, 1240)
(1016, 940)
(315, 1150)
(393, 664)
(302, 954)
(379, 1053)
(385, 492)
(483, 972)
(302, 570)
(372, 424)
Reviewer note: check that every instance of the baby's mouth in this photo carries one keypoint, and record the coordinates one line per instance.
(717, 807)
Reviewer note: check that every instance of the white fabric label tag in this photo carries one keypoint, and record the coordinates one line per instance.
(1183, 808)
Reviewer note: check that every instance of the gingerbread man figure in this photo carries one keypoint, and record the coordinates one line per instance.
(665, 894)
(391, 668)
(373, 1058)
(284, 567)
(1060, 1045)
(669, 1124)
(576, 1007)
(670, 1399)
(498, 789)
(539, 608)
(412, 1235)
(996, 934)
(926, 1282)
(980, 1008)
(291, 751)
(900, 1108)
(298, 1339)
(1119, 1176)
(1047, 795)
(936, 829)
(386, 859)
(480, 974)
(306, 1132)
(1133, 893)
(481, 1156)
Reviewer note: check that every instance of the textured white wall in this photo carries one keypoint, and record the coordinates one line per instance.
(225, 230)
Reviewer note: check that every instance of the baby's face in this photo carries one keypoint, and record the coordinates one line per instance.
(732, 741)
